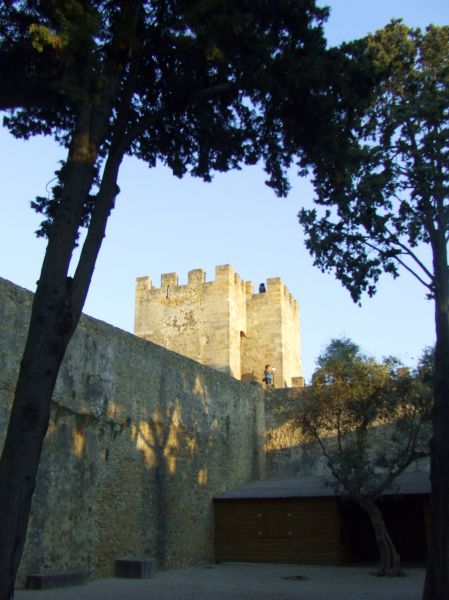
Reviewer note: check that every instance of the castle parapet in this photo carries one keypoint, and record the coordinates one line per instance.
(224, 275)
(169, 279)
(274, 290)
(143, 283)
(196, 277)
(276, 287)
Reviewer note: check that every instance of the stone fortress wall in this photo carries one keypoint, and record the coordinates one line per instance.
(223, 323)
(140, 440)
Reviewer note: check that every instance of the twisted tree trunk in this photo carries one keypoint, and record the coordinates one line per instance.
(389, 559)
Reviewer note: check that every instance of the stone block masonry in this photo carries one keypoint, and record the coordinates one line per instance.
(140, 440)
(223, 324)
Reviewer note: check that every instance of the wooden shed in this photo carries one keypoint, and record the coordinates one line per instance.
(301, 520)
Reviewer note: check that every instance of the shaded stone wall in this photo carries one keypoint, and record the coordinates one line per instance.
(140, 440)
(287, 452)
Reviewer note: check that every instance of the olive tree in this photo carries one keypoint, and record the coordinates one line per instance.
(370, 421)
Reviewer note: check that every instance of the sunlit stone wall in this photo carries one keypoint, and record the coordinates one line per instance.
(140, 440)
(223, 323)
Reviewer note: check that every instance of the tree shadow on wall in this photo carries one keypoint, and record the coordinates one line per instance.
(176, 440)
(166, 442)
(156, 437)
(192, 444)
(57, 511)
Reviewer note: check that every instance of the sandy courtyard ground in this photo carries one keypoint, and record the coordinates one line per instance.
(242, 581)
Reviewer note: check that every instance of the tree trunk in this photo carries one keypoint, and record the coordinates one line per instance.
(26, 431)
(52, 324)
(389, 559)
(57, 306)
(55, 313)
(437, 576)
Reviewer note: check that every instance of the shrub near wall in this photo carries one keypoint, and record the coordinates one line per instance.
(140, 440)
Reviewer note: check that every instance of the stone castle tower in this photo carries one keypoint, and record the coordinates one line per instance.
(223, 324)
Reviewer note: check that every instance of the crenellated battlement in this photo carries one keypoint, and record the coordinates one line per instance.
(143, 283)
(224, 275)
(224, 322)
(276, 291)
(197, 277)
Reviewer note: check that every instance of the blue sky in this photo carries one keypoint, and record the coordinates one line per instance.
(162, 224)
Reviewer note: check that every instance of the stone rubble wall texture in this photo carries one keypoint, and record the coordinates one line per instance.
(139, 442)
(287, 450)
(222, 323)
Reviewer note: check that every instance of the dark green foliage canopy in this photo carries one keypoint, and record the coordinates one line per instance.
(197, 85)
(387, 191)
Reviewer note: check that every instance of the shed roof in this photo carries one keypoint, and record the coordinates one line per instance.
(413, 482)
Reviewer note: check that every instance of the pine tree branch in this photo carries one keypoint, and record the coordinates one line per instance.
(384, 253)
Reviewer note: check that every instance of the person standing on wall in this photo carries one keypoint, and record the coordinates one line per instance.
(268, 375)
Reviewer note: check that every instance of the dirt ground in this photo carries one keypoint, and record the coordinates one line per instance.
(243, 581)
